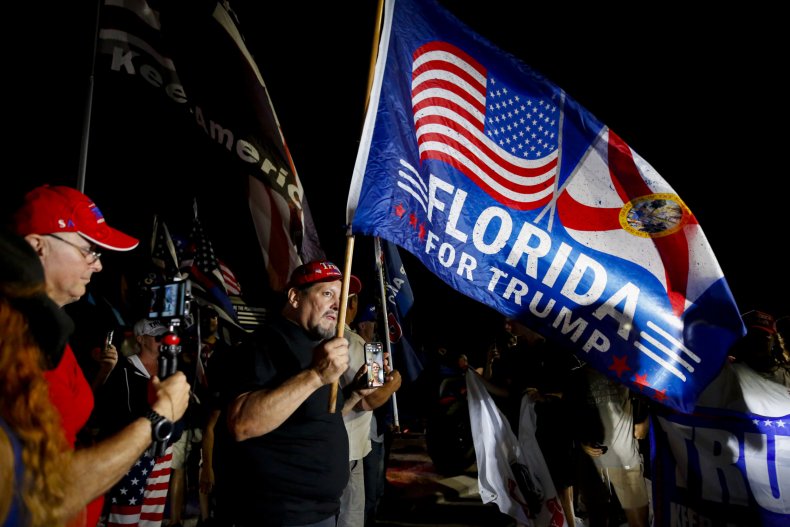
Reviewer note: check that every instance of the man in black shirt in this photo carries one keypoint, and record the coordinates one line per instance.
(280, 457)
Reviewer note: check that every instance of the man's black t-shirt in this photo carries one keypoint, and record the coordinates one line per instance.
(295, 474)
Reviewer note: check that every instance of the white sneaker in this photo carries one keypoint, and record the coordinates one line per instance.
(578, 522)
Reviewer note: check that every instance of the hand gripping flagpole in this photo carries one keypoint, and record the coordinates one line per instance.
(341, 318)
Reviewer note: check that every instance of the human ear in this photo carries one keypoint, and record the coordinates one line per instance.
(293, 297)
(37, 243)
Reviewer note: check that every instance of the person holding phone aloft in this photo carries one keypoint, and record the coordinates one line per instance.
(358, 417)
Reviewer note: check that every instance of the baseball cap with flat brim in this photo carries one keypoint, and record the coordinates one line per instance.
(759, 320)
(52, 209)
(368, 314)
(354, 285)
(153, 328)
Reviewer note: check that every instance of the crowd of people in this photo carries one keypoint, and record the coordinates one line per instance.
(99, 445)
(284, 422)
(593, 432)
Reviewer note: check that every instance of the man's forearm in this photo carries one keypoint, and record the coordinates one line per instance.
(94, 470)
(256, 413)
(352, 400)
(380, 396)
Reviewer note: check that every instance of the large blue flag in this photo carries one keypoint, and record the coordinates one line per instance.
(517, 196)
(399, 301)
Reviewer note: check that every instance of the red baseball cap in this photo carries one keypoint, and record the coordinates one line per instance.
(50, 209)
(354, 285)
(759, 320)
(314, 272)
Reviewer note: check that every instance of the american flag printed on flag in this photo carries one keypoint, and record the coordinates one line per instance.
(139, 498)
(504, 141)
(512, 193)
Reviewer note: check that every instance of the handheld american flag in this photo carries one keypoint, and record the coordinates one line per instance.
(205, 272)
(515, 195)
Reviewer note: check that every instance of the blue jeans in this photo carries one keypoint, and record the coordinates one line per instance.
(375, 479)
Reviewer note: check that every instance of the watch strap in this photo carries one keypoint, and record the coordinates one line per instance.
(157, 422)
(154, 417)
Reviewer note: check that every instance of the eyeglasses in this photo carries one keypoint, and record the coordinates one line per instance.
(90, 255)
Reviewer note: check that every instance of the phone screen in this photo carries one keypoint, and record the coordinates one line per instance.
(374, 356)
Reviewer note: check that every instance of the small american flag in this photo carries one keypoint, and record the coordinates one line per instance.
(504, 141)
(205, 261)
(205, 271)
(140, 497)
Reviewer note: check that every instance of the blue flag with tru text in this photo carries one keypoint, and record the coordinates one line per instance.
(517, 196)
(728, 462)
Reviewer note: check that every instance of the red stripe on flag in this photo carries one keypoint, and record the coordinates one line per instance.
(232, 285)
(279, 253)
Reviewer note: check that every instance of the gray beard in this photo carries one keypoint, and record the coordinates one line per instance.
(323, 333)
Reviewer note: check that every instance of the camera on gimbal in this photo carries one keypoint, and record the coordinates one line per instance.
(169, 304)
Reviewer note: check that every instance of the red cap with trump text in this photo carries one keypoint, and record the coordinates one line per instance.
(313, 273)
(759, 320)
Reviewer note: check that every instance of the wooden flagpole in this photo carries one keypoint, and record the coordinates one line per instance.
(341, 320)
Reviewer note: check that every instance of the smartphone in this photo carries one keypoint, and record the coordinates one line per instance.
(374, 357)
(603, 447)
(108, 339)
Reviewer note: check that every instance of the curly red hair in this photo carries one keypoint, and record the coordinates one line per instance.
(25, 406)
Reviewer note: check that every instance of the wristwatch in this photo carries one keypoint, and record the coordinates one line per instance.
(161, 427)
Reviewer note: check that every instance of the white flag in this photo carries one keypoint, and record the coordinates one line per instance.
(511, 472)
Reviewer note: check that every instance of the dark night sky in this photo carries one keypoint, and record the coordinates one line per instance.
(698, 96)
